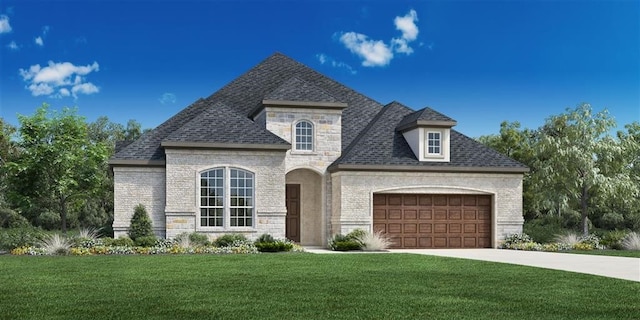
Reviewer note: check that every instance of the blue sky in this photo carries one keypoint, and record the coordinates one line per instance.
(479, 62)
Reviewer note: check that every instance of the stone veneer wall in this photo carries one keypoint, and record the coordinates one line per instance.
(183, 167)
(138, 185)
(353, 192)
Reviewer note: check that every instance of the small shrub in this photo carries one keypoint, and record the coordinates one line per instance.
(374, 241)
(513, 240)
(613, 239)
(12, 219)
(108, 241)
(146, 241)
(228, 239)
(583, 246)
(56, 244)
(199, 239)
(631, 241)
(568, 238)
(265, 237)
(592, 240)
(266, 243)
(122, 242)
(20, 237)
(356, 234)
(48, 220)
(543, 229)
(550, 247)
(341, 242)
(140, 223)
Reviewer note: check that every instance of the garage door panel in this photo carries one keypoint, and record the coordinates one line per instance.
(394, 214)
(434, 221)
(410, 214)
(410, 228)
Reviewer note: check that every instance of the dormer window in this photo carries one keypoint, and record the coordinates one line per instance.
(434, 143)
(303, 136)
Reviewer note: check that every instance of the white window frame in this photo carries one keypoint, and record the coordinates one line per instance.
(311, 136)
(230, 203)
(427, 141)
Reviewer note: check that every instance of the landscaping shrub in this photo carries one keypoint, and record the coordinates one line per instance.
(631, 241)
(515, 239)
(374, 241)
(199, 239)
(613, 239)
(266, 243)
(12, 219)
(56, 244)
(20, 237)
(228, 239)
(569, 238)
(123, 242)
(48, 220)
(146, 241)
(543, 229)
(341, 242)
(140, 223)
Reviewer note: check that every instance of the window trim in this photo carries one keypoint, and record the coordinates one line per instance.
(294, 136)
(427, 140)
(226, 207)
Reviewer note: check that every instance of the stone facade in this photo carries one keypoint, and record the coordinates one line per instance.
(353, 195)
(183, 168)
(138, 185)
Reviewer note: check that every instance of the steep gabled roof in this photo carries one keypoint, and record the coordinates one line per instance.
(296, 89)
(425, 117)
(246, 93)
(231, 130)
(381, 147)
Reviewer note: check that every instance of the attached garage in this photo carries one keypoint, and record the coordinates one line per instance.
(434, 220)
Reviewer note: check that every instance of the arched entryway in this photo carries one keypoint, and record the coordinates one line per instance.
(304, 207)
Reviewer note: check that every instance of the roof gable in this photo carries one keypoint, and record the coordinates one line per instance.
(425, 117)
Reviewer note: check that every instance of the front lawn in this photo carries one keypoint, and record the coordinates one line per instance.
(302, 286)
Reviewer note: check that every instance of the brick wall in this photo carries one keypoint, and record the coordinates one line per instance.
(353, 191)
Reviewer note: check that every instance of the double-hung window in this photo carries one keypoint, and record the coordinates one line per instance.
(434, 143)
(303, 136)
(227, 198)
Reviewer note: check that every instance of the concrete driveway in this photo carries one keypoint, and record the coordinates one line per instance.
(606, 266)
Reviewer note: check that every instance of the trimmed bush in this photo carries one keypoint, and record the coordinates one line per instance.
(20, 237)
(613, 239)
(140, 223)
(266, 243)
(122, 242)
(228, 239)
(146, 241)
(341, 242)
(11, 219)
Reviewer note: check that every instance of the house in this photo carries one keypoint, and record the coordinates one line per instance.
(287, 151)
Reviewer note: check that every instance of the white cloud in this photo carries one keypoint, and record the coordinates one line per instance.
(13, 46)
(167, 98)
(323, 58)
(375, 53)
(45, 30)
(407, 25)
(5, 27)
(45, 80)
(39, 41)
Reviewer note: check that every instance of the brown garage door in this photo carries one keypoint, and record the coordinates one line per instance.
(433, 221)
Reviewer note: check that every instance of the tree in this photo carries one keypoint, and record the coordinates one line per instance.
(570, 166)
(140, 223)
(7, 152)
(58, 163)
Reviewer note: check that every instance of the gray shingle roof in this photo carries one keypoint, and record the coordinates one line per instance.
(246, 92)
(230, 128)
(426, 114)
(380, 144)
(295, 89)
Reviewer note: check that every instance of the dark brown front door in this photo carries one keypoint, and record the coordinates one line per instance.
(433, 220)
(293, 212)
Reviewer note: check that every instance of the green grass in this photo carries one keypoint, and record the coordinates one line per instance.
(302, 286)
(615, 253)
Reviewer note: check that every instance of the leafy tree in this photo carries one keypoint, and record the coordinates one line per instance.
(58, 163)
(7, 152)
(574, 152)
(140, 223)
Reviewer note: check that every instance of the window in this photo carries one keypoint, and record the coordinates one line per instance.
(304, 136)
(226, 198)
(434, 143)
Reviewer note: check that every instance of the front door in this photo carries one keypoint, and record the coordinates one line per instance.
(292, 231)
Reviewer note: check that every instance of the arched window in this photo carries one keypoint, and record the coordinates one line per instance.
(226, 198)
(304, 136)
